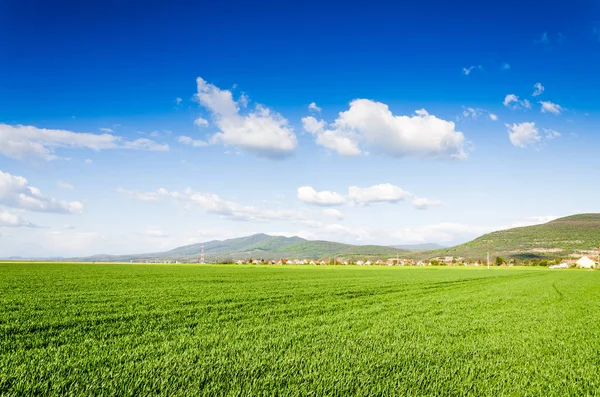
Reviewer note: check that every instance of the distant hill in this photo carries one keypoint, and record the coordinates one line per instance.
(419, 247)
(261, 246)
(571, 236)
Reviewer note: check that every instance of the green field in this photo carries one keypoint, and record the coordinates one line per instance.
(84, 329)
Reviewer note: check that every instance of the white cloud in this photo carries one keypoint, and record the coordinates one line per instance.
(505, 66)
(146, 144)
(309, 195)
(549, 107)
(154, 233)
(474, 113)
(313, 107)
(422, 203)
(178, 101)
(19, 142)
(186, 140)
(88, 161)
(68, 243)
(381, 193)
(534, 220)
(261, 132)
(338, 141)
(10, 219)
(523, 134)
(373, 125)
(200, 122)
(551, 134)
(467, 71)
(108, 130)
(512, 101)
(243, 101)
(65, 185)
(538, 89)
(333, 213)
(439, 232)
(213, 204)
(145, 196)
(15, 192)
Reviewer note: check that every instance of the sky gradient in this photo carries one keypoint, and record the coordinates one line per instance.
(143, 126)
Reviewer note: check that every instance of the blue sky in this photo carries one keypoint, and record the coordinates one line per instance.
(143, 126)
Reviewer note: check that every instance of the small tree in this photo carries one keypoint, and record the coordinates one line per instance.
(500, 261)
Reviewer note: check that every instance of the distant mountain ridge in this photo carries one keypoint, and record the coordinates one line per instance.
(260, 246)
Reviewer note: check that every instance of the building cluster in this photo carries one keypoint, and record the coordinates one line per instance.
(336, 261)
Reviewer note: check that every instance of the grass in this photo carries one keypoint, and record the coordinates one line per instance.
(82, 329)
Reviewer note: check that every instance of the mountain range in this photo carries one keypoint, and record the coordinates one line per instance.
(571, 236)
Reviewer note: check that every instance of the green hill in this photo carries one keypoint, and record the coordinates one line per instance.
(571, 236)
(261, 246)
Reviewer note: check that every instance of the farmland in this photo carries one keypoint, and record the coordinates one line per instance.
(264, 330)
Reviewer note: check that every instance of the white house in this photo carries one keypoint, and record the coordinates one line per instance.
(586, 263)
(561, 266)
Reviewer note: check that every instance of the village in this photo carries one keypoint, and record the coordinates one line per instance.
(584, 262)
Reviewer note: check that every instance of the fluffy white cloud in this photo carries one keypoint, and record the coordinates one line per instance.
(65, 185)
(422, 203)
(107, 130)
(214, 204)
(20, 142)
(10, 219)
(381, 193)
(549, 107)
(309, 195)
(339, 141)
(523, 134)
(333, 213)
(538, 89)
(261, 131)
(493, 117)
(200, 122)
(313, 107)
(15, 192)
(512, 101)
(373, 125)
(186, 140)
